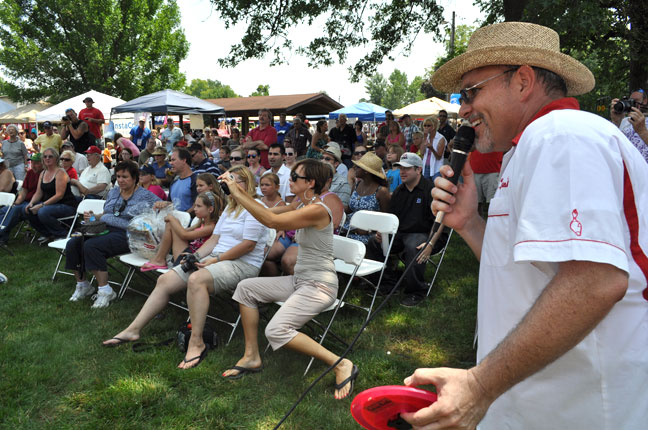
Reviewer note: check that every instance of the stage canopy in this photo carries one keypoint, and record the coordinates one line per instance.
(170, 102)
(364, 111)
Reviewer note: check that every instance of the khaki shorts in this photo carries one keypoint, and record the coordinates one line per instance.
(226, 274)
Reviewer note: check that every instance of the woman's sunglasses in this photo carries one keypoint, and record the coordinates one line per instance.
(237, 158)
(251, 156)
(359, 153)
(294, 176)
(65, 159)
(121, 208)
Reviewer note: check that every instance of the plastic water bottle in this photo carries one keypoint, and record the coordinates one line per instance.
(92, 217)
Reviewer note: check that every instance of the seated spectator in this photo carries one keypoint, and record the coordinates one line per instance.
(235, 138)
(359, 151)
(291, 157)
(107, 155)
(80, 160)
(208, 182)
(49, 139)
(180, 240)
(253, 159)
(146, 155)
(67, 164)
(339, 185)
(125, 155)
(417, 144)
(183, 188)
(318, 141)
(276, 154)
(17, 211)
(371, 192)
(411, 204)
(224, 158)
(342, 169)
(269, 186)
(7, 179)
(82, 255)
(123, 143)
(200, 163)
(236, 158)
(233, 253)
(393, 173)
(309, 292)
(94, 181)
(161, 165)
(149, 182)
(53, 199)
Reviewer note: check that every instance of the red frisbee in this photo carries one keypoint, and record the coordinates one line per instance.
(379, 408)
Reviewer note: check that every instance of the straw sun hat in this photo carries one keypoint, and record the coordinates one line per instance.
(371, 163)
(515, 43)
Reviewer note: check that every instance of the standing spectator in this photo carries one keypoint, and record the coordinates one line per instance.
(300, 137)
(171, 135)
(361, 136)
(94, 181)
(434, 144)
(235, 138)
(17, 212)
(94, 118)
(121, 143)
(146, 155)
(49, 139)
(409, 128)
(200, 163)
(282, 128)
(77, 131)
(80, 160)
(276, 155)
(344, 135)
(486, 168)
(395, 137)
(15, 153)
(446, 130)
(383, 128)
(318, 141)
(634, 125)
(339, 184)
(262, 136)
(29, 144)
(140, 134)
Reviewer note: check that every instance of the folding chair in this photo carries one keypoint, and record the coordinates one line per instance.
(351, 253)
(437, 266)
(96, 206)
(384, 223)
(6, 200)
(19, 185)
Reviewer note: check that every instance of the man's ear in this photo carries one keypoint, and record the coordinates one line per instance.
(524, 81)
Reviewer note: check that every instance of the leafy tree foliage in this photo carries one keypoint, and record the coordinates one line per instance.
(262, 90)
(379, 27)
(609, 36)
(59, 48)
(208, 89)
(462, 36)
(394, 92)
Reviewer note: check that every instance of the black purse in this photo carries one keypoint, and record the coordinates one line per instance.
(210, 337)
(92, 228)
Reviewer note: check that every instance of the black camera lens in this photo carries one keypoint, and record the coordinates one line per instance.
(624, 105)
(224, 187)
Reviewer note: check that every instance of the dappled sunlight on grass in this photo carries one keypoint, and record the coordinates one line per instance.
(425, 352)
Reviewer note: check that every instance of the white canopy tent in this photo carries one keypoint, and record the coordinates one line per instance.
(24, 114)
(427, 107)
(103, 102)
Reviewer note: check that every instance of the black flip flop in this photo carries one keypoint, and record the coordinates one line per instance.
(119, 340)
(242, 371)
(354, 375)
(200, 358)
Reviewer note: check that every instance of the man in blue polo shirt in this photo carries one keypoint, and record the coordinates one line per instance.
(140, 134)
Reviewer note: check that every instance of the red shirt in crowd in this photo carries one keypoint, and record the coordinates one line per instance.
(269, 136)
(30, 184)
(486, 163)
(95, 113)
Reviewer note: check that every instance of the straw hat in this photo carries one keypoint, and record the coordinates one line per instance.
(515, 44)
(371, 163)
(159, 151)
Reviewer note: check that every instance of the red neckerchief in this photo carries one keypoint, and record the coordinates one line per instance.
(564, 103)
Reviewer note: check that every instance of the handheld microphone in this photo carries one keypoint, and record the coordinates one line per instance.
(463, 144)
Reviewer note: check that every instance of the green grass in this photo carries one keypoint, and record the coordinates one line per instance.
(54, 373)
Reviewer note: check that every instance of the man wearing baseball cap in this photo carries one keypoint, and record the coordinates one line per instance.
(49, 139)
(563, 298)
(93, 117)
(140, 134)
(94, 181)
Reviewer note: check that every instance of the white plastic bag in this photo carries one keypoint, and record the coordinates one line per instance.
(145, 231)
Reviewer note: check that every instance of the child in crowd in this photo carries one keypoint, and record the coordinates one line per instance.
(269, 185)
(180, 240)
(149, 182)
(393, 172)
(207, 182)
(417, 144)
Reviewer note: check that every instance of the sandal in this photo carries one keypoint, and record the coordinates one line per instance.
(148, 266)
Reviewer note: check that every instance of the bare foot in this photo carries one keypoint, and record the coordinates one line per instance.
(123, 337)
(343, 371)
(193, 357)
(245, 362)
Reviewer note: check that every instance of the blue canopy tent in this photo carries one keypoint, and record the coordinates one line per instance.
(364, 111)
(170, 102)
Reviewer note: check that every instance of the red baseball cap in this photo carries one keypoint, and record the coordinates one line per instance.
(93, 150)
(182, 143)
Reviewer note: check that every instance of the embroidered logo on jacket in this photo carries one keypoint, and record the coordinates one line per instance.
(575, 225)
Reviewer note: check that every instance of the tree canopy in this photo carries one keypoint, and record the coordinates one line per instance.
(262, 90)
(58, 48)
(381, 28)
(394, 92)
(209, 89)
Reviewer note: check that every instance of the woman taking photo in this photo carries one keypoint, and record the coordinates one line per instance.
(90, 254)
(319, 140)
(234, 252)
(311, 290)
(53, 199)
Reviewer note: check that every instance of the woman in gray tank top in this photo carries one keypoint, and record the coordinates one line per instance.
(308, 292)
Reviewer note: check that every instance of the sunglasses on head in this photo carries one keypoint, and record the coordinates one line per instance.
(237, 158)
(294, 176)
(360, 153)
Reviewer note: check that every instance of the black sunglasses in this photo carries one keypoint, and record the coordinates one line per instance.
(65, 159)
(237, 158)
(121, 208)
(294, 176)
(360, 153)
(290, 154)
(251, 156)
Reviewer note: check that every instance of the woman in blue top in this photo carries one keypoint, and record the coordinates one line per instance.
(123, 203)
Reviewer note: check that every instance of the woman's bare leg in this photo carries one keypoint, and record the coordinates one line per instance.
(251, 358)
(289, 260)
(199, 286)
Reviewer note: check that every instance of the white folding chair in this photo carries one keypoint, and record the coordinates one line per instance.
(385, 224)
(19, 185)
(351, 253)
(86, 205)
(437, 266)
